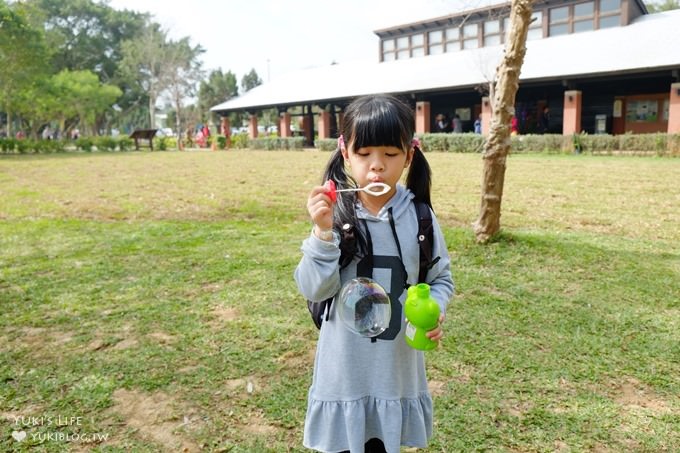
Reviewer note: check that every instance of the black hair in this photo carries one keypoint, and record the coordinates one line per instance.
(376, 120)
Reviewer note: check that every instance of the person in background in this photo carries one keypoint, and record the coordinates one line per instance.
(545, 120)
(457, 124)
(440, 123)
(478, 125)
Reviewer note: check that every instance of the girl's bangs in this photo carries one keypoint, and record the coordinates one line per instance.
(379, 127)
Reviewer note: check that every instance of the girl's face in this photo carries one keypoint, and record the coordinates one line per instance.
(377, 164)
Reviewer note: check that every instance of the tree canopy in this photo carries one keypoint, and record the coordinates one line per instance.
(665, 5)
(51, 49)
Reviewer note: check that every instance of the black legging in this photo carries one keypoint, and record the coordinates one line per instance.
(373, 446)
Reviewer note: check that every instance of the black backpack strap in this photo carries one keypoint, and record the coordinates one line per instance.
(425, 240)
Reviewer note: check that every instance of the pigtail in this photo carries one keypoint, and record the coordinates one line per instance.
(419, 178)
(344, 213)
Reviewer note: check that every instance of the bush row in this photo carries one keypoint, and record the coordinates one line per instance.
(644, 144)
(87, 144)
(271, 143)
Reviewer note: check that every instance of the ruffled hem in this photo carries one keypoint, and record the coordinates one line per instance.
(332, 426)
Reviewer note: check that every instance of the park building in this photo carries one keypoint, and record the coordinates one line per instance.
(599, 66)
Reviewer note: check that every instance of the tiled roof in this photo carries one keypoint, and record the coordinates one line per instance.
(650, 43)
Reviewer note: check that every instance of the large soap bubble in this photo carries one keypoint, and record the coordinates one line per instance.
(364, 307)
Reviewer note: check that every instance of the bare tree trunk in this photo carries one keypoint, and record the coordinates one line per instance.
(152, 111)
(497, 145)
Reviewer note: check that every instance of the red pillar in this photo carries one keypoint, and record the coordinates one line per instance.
(324, 125)
(571, 117)
(225, 127)
(422, 117)
(252, 126)
(284, 125)
(486, 115)
(674, 110)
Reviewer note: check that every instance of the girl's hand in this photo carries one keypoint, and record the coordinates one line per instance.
(437, 333)
(320, 208)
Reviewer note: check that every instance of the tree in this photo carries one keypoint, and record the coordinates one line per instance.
(82, 93)
(497, 145)
(250, 81)
(667, 5)
(218, 88)
(85, 35)
(88, 35)
(184, 73)
(22, 56)
(145, 62)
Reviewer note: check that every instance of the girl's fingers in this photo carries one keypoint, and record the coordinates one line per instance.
(320, 207)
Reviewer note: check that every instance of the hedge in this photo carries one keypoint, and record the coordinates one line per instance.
(272, 143)
(87, 144)
(632, 144)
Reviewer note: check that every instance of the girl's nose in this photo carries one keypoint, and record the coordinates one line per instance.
(377, 165)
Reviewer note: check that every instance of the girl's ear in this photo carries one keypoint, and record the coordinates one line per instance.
(409, 157)
(342, 147)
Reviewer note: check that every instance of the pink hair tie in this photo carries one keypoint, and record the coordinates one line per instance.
(341, 142)
(415, 143)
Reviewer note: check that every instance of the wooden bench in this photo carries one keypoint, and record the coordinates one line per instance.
(143, 134)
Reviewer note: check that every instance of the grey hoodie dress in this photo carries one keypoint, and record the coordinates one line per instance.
(363, 389)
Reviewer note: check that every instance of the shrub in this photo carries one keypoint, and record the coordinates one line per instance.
(326, 144)
(7, 145)
(673, 144)
(105, 143)
(23, 146)
(162, 143)
(85, 144)
(125, 143)
(276, 143)
(458, 143)
(221, 141)
(239, 141)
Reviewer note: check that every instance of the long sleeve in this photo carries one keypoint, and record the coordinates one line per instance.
(318, 273)
(442, 287)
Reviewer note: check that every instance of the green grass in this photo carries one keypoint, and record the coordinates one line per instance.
(148, 292)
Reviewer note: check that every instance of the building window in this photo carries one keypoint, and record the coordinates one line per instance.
(610, 6)
(610, 21)
(417, 45)
(435, 41)
(403, 51)
(644, 111)
(470, 36)
(492, 32)
(584, 17)
(388, 50)
(536, 26)
(610, 13)
(559, 21)
(452, 39)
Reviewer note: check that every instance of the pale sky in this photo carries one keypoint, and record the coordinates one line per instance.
(279, 36)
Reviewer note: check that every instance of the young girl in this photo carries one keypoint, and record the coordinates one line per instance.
(371, 394)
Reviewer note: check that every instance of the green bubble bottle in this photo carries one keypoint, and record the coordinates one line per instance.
(422, 315)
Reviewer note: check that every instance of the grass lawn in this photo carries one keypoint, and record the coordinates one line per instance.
(148, 298)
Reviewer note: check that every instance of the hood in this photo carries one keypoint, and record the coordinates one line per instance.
(400, 203)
